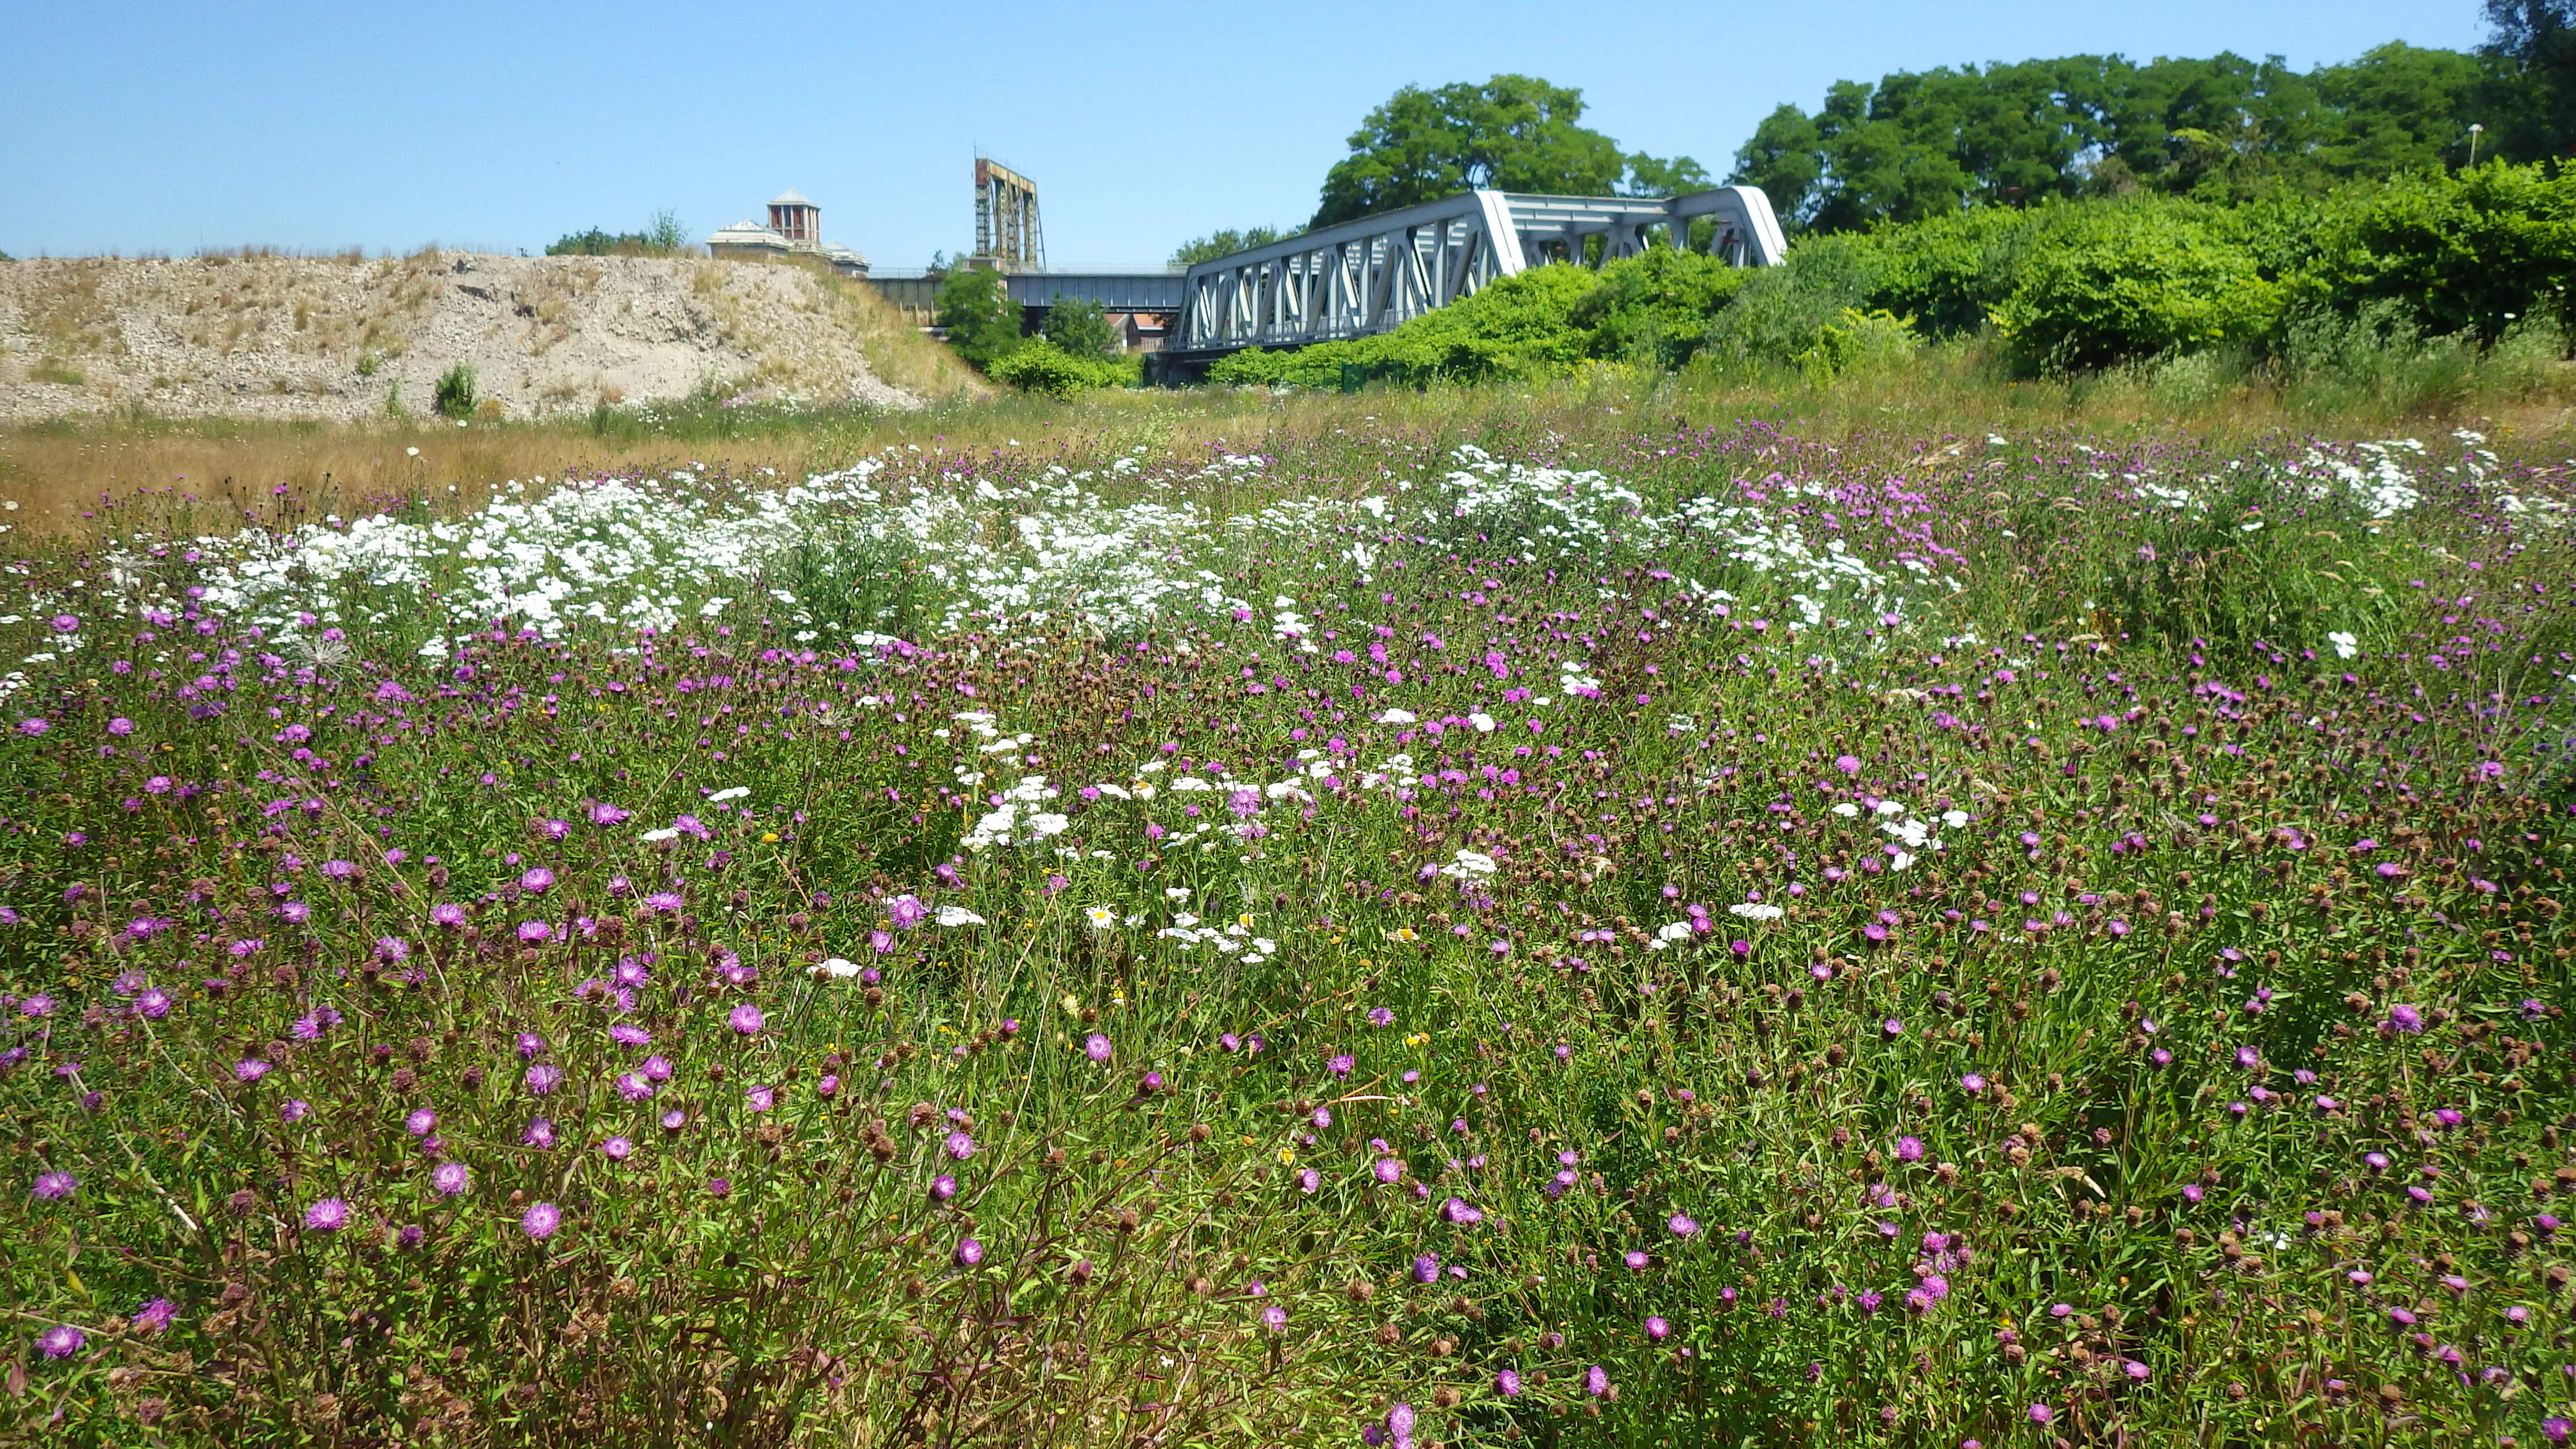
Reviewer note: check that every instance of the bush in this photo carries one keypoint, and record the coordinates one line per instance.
(2472, 253)
(1781, 315)
(453, 396)
(2117, 282)
(982, 322)
(1077, 325)
(1655, 307)
(664, 238)
(1042, 366)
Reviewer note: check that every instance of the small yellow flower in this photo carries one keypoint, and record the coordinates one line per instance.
(1407, 934)
(1249, 1141)
(1418, 1038)
(1071, 1006)
(769, 837)
(1287, 1155)
(1245, 920)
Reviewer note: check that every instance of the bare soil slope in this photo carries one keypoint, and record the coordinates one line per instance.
(345, 338)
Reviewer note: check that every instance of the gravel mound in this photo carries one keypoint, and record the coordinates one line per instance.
(336, 339)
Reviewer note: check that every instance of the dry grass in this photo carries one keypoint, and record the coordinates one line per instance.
(64, 474)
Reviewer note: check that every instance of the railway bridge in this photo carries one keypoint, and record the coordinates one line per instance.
(1368, 276)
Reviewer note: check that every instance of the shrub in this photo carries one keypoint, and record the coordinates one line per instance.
(1781, 315)
(982, 323)
(2132, 280)
(1077, 325)
(1655, 307)
(1042, 366)
(2470, 253)
(664, 238)
(1860, 341)
(453, 396)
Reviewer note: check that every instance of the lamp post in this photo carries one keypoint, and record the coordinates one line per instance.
(2475, 129)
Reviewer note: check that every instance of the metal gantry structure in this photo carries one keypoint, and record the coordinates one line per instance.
(1008, 237)
(1371, 275)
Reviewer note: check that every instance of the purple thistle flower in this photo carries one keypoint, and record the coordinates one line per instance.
(540, 1133)
(1596, 1381)
(1682, 1224)
(1909, 1149)
(448, 1178)
(329, 1215)
(942, 1188)
(54, 1186)
(1380, 1016)
(1657, 1328)
(1096, 1047)
(541, 1221)
(634, 1088)
(543, 1078)
(906, 912)
(535, 879)
(421, 1122)
(1507, 1382)
(447, 914)
(1636, 1259)
(2041, 1413)
(959, 1146)
(627, 1033)
(1340, 1066)
(249, 1069)
(1388, 1170)
(761, 1099)
(617, 1149)
(655, 1068)
(155, 1315)
(153, 1004)
(674, 1120)
(294, 1109)
(61, 1341)
(1426, 1269)
(745, 1019)
(1274, 1318)
(969, 1253)
(532, 932)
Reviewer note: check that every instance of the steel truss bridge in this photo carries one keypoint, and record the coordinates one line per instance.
(1371, 275)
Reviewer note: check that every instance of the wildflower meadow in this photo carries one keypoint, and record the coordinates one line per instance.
(1652, 935)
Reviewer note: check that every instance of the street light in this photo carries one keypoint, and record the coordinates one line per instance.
(2474, 130)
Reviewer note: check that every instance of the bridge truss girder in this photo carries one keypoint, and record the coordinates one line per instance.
(1374, 274)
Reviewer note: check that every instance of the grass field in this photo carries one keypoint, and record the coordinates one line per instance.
(1950, 915)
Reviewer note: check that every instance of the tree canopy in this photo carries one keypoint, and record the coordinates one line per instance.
(2225, 128)
(1512, 133)
(1224, 243)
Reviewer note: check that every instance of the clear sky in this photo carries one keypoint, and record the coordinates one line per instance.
(154, 125)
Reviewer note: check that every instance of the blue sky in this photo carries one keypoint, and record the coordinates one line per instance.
(164, 126)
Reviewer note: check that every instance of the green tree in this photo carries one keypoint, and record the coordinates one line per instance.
(982, 322)
(1513, 133)
(1078, 327)
(1225, 244)
(2536, 96)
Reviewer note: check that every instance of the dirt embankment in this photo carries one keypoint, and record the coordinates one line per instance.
(339, 339)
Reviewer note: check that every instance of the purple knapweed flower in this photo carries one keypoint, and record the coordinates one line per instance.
(969, 1253)
(745, 1019)
(541, 1221)
(61, 1341)
(54, 1186)
(329, 1215)
(449, 1178)
(1096, 1047)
